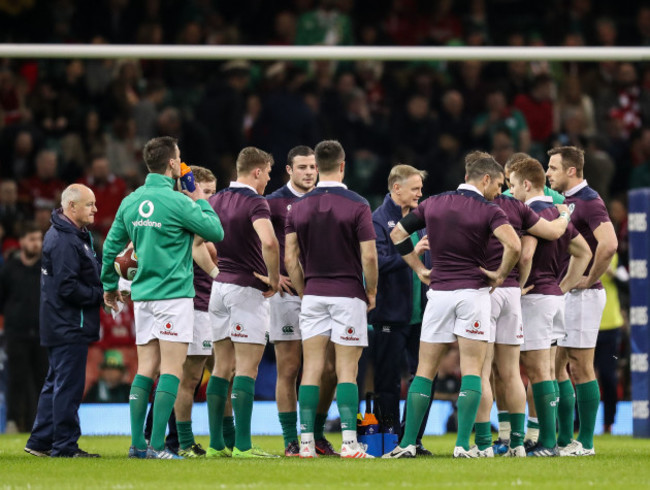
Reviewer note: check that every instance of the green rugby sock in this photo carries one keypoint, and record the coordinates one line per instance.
(517, 432)
(557, 399)
(162, 409)
(544, 396)
(185, 434)
(566, 413)
(417, 402)
(288, 422)
(138, 402)
(588, 401)
(216, 394)
(347, 399)
(229, 431)
(319, 425)
(504, 425)
(483, 435)
(307, 402)
(243, 393)
(469, 399)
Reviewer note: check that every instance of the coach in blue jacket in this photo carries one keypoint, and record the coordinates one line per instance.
(401, 296)
(71, 294)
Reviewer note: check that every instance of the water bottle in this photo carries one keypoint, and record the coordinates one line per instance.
(187, 178)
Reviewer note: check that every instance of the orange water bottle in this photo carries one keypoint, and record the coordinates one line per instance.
(187, 178)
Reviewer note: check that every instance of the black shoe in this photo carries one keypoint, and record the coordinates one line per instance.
(38, 452)
(529, 444)
(80, 453)
(420, 450)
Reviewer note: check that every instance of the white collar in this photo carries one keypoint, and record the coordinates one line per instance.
(331, 183)
(294, 191)
(539, 198)
(469, 187)
(242, 186)
(575, 189)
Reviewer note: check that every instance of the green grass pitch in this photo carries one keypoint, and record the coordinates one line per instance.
(621, 462)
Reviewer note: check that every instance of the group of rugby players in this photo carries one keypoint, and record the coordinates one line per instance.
(299, 267)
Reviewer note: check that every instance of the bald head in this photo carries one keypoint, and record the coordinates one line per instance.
(78, 203)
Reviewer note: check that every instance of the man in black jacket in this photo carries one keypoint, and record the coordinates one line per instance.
(401, 297)
(71, 293)
(19, 297)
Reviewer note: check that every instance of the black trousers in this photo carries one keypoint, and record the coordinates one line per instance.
(57, 419)
(394, 348)
(27, 366)
(606, 362)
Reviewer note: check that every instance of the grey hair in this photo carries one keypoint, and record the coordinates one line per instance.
(72, 193)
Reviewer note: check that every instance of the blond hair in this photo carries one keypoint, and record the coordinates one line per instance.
(399, 173)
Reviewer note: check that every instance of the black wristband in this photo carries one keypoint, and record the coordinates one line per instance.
(412, 223)
(405, 247)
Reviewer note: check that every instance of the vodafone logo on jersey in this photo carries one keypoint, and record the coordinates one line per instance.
(168, 329)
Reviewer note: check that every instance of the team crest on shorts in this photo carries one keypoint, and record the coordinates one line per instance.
(168, 329)
(287, 330)
(349, 335)
(238, 331)
(475, 328)
(207, 344)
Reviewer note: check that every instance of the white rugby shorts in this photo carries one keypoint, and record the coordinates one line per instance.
(241, 313)
(202, 343)
(543, 316)
(343, 320)
(463, 313)
(583, 311)
(165, 319)
(505, 317)
(285, 318)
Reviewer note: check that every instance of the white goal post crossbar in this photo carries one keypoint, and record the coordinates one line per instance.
(385, 53)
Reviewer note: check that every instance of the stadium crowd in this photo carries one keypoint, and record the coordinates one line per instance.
(86, 121)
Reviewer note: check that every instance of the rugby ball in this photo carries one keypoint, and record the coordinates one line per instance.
(126, 264)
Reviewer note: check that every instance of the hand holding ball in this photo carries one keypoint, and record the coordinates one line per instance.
(126, 264)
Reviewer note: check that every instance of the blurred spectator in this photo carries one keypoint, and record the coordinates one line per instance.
(43, 189)
(19, 149)
(401, 23)
(471, 86)
(124, 150)
(573, 99)
(599, 167)
(627, 107)
(414, 133)
(502, 145)
(454, 119)
(442, 26)
(109, 191)
(19, 303)
(618, 213)
(642, 36)
(12, 98)
(606, 32)
(538, 108)
(324, 25)
(145, 112)
(111, 387)
(79, 146)
(500, 116)
(12, 214)
(284, 29)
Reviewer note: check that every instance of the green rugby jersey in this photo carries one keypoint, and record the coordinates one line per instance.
(557, 197)
(161, 223)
